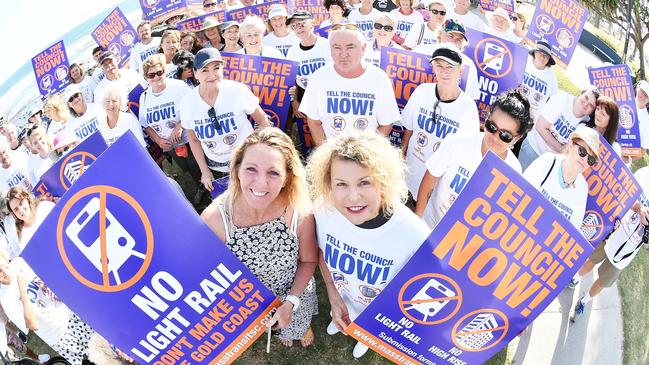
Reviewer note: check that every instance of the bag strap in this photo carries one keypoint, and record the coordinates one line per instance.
(630, 253)
(294, 219)
(549, 171)
(421, 33)
(226, 220)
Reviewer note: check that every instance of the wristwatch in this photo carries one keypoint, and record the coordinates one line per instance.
(293, 299)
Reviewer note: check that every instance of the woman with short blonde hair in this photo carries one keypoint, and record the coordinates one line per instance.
(58, 112)
(251, 34)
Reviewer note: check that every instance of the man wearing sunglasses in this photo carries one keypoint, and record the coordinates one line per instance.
(350, 94)
(457, 158)
(146, 47)
(558, 119)
(434, 112)
(215, 115)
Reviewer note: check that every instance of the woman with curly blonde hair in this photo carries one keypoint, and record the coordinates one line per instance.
(365, 232)
(58, 112)
(265, 219)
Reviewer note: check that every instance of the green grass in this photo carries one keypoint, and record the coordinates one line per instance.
(564, 81)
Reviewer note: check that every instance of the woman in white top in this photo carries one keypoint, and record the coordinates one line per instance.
(364, 17)
(169, 46)
(85, 84)
(116, 121)
(211, 32)
(559, 177)
(539, 82)
(279, 34)
(39, 163)
(57, 111)
(231, 37)
(359, 183)
(384, 26)
(252, 32)
(457, 158)
(84, 116)
(406, 17)
(427, 33)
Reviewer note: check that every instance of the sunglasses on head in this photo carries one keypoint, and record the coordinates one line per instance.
(71, 99)
(151, 75)
(505, 136)
(344, 26)
(215, 122)
(438, 12)
(583, 152)
(379, 26)
(209, 5)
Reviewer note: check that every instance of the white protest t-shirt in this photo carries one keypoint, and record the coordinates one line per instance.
(87, 88)
(140, 52)
(416, 37)
(98, 76)
(37, 166)
(571, 202)
(125, 122)
(363, 261)
(54, 127)
(373, 54)
(17, 174)
(537, 86)
(472, 87)
(170, 71)
(282, 44)
(405, 22)
(87, 124)
(469, 20)
(558, 112)
(625, 242)
(233, 104)
(127, 81)
(266, 52)
(453, 164)
(364, 22)
(459, 117)
(52, 314)
(161, 112)
(347, 105)
(643, 125)
(309, 61)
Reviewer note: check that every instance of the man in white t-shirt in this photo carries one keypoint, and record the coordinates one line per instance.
(97, 73)
(539, 82)
(641, 103)
(146, 47)
(13, 168)
(558, 119)
(125, 79)
(215, 114)
(434, 112)
(462, 13)
(500, 25)
(363, 17)
(350, 94)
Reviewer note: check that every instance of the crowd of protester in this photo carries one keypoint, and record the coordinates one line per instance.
(281, 206)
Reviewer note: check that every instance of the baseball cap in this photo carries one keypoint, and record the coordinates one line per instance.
(72, 89)
(454, 26)
(297, 15)
(63, 138)
(501, 13)
(206, 56)
(277, 10)
(448, 53)
(105, 56)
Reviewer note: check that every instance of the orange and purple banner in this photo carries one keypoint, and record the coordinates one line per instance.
(152, 9)
(496, 260)
(260, 10)
(315, 7)
(116, 35)
(491, 5)
(51, 68)
(196, 23)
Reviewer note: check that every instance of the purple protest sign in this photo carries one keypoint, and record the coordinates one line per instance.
(220, 186)
(196, 23)
(324, 31)
(134, 100)
(306, 140)
(500, 65)
(116, 35)
(269, 78)
(615, 82)
(118, 263)
(491, 5)
(498, 257)
(560, 23)
(67, 170)
(51, 68)
(612, 190)
(315, 7)
(260, 10)
(152, 9)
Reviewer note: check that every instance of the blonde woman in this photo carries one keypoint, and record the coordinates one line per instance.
(169, 46)
(384, 27)
(358, 182)
(57, 111)
(264, 218)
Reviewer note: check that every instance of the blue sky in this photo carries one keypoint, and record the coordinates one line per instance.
(29, 26)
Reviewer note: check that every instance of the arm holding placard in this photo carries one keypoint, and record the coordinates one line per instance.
(543, 127)
(197, 150)
(339, 312)
(260, 118)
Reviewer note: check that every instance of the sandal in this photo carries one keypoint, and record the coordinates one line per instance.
(287, 343)
(308, 338)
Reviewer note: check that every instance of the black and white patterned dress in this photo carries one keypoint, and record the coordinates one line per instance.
(271, 251)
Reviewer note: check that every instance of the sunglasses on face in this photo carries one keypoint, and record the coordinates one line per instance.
(379, 26)
(505, 136)
(583, 152)
(514, 18)
(209, 5)
(73, 97)
(151, 75)
(215, 122)
(437, 12)
(297, 25)
(63, 151)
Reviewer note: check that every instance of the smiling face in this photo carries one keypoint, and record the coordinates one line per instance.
(170, 45)
(187, 43)
(231, 35)
(21, 209)
(574, 159)
(584, 104)
(278, 23)
(252, 40)
(601, 117)
(354, 192)
(499, 23)
(112, 103)
(335, 13)
(210, 75)
(39, 144)
(262, 175)
(144, 31)
(75, 74)
(541, 60)
(111, 69)
(448, 75)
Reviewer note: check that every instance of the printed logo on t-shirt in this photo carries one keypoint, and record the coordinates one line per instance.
(338, 123)
(161, 112)
(361, 124)
(460, 179)
(403, 27)
(149, 52)
(206, 128)
(561, 129)
(18, 178)
(307, 67)
(86, 129)
(440, 127)
(346, 102)
(283, 48)
(564, 209)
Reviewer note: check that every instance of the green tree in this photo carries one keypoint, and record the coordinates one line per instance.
(616, 12)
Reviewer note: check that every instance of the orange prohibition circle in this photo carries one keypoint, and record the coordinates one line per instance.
(479, 331)
(83, 155)
(103, 191)
(274, 118)
(457, 298)
(505, 54)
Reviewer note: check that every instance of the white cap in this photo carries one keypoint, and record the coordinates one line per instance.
(644, 86)
(277, 10)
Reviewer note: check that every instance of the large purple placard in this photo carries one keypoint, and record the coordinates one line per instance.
(51, 68)
(116, 35)
(152, 9)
